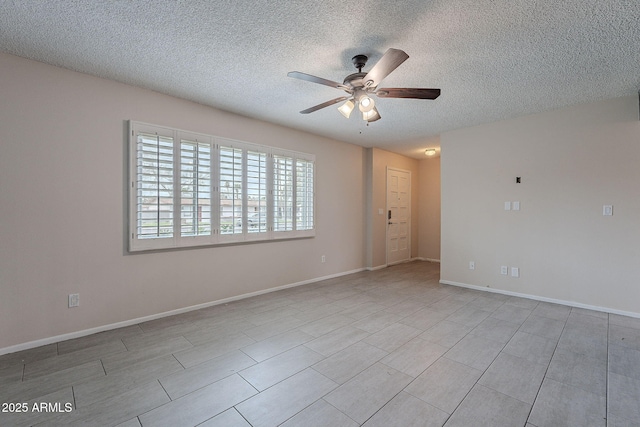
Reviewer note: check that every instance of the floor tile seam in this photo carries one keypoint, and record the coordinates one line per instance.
(73, 393)
(476, 334)
(286, 378)
(387, 402)
(555, 348)
(337, 409)
(436, 406)
(82, 417)
(536, 315)
(464, 336)
(153, 409)
(64, 353)
(68, 356)
(209, 342)
(521, 358)
(145, 331)
(430, 403)
(414, 377)
(137, 384)
(277, 333)
(196, 389)
(235, 409)
(282, 422)
(245, 353)
(510, 321)
(47, 372)
(507, 395)
(479, 377)
(257, 392)
(113, 372)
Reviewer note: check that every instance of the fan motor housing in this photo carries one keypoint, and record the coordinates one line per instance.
(354, 80)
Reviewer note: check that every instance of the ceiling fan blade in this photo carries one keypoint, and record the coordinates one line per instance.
(407, 92)
(314, 79)
(391, 59)
(323, 105)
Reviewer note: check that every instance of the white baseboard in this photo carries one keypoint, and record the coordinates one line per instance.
(426, 259)
(380, 267)
(544, 299)
(82, 333)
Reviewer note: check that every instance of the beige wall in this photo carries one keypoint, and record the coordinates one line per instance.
(572, 162)
(377, 223)
(429, 209)
(63, 204)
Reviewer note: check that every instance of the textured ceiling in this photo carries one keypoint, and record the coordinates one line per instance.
(493, 59)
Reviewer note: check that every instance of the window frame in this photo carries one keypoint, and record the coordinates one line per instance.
(262, 178)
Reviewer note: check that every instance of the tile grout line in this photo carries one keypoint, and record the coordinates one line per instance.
(483, 372)
(548, 365)
(73, 393)
(239, 413)
(176, 359)
(479, 378)
(444, 356)
(313, 403)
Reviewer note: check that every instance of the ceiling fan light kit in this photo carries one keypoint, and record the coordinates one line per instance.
(361, 86)
(371, 116)
(346, 108)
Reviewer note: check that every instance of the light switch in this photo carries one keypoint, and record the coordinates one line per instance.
(380, 211)
(507, 206)
(516, 206)
(515, 272)
(607, 210)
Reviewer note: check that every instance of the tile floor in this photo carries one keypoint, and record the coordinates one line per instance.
(386, 348)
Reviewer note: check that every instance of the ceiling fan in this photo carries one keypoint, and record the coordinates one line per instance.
(360, 86)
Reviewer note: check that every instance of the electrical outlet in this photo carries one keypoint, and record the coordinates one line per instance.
(324, 259)
(74, 300)
(504, 270)
(472, 265)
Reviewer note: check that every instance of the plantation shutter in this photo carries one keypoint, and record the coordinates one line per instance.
(231, 191)
(282, 193)
(189, 189)
(304, 195)
(154, 200)
(256, 192)
(195, 188)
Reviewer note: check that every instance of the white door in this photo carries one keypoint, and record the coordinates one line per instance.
(398, 215)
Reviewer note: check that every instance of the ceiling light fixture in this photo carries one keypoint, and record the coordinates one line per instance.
(365, 102)
(371, 116)
(346, 108)
(430, 152)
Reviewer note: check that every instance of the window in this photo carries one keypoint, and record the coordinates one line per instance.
(191, 189)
